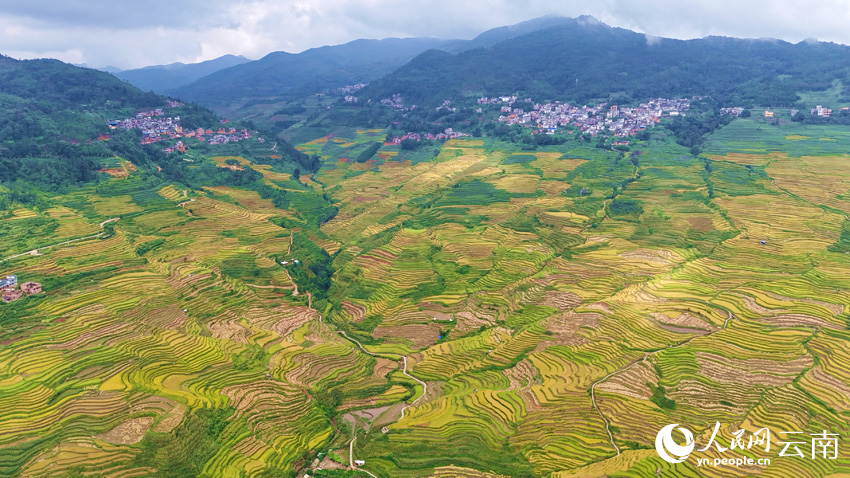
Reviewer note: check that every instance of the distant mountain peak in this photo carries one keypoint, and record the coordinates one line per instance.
(589, 20)
(108, 68)
(545, 63)
(163, 78)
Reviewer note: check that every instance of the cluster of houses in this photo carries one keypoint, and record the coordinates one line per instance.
(446, 106)
(230, 136)
(157, 127)
(500, 99)
(10, 292)
(448, 133)
(178, 146)
(818, 110)
(597, 119)
(398, 139)
(348, 89)
(396, 101)
(821, 111)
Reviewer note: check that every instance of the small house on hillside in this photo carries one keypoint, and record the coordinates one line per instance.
(31, 288)
(11, 295)
(9, 281)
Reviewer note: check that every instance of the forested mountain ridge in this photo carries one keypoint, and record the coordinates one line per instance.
(583, 59)
(282, 74)
(164, 78)
(63, 85)
(55, 131)
(288, 75)
(500, 34)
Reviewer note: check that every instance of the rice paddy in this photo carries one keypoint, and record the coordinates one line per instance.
(501, 314)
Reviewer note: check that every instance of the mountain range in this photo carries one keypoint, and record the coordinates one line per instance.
(288, 76)
(582, 59)
(282, 74)
(579, 59)
(164, 78)
(54, 125)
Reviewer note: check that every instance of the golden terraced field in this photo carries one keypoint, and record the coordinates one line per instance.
(488, 314)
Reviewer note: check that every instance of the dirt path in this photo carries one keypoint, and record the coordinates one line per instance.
(295, 290)
(424, 388)
(268, 286)
(351, 459)
(184, 203)
(627, 367)
(404, 371)
(34, 252)
(363, 349)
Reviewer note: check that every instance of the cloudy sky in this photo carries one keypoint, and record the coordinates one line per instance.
(131, 33)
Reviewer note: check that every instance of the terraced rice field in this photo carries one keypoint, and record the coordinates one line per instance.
(172, 348)
(514, 296)
(486, 316)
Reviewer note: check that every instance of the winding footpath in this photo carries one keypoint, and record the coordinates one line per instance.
(34, 252)
(295, 290)
(629, 366)
(424, 388)
(404, 371)
(351, 463)
(184, 203)
(351, 459)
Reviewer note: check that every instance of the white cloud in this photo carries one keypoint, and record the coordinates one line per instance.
(133, 34)
(652, 39)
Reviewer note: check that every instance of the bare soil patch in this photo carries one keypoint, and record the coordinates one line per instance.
(129, 432)
(170, 422)
(561, 300)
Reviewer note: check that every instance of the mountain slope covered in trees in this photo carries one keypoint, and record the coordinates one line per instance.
(54, 127)
(164, 78)
(583, 59)
(288, 75)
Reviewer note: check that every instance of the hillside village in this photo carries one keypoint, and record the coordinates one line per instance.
(448, 133)
(592, 120)
(9, 289)
(156, 127)
(548, 118)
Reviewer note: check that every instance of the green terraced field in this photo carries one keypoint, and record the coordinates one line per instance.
(479, 313)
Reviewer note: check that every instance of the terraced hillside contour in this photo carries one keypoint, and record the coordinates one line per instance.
(467, 314)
